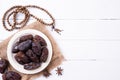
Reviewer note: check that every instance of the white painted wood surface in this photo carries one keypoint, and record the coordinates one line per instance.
(91, 38)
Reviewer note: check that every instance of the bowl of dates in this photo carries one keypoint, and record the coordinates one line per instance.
(29, 51)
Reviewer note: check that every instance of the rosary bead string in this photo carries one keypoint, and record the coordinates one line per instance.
(15, 10)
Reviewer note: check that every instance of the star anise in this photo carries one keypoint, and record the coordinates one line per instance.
(46, 73)
(59, 71)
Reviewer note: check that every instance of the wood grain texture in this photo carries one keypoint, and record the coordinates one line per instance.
(90, 41)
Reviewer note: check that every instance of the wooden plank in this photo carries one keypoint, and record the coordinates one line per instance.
(82, 30)
(108, 50)
(87, 70)
(69, 9)
(90, 50)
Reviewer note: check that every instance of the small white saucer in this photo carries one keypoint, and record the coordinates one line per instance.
(12, 60)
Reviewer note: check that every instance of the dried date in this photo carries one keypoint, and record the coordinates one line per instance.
(24, 46)
(44, 55)
(33, 57)
(32, 65)
(15, 48)
(3, 65)
(40, 40)
(36, 48)
(10, 75)
(26, 37)
(21, 58)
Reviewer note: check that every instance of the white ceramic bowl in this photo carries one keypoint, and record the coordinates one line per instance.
(20, 67)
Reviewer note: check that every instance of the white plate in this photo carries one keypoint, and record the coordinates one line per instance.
(12, 60)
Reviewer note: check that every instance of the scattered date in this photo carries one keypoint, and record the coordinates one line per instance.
(10, 75)
(3, 65)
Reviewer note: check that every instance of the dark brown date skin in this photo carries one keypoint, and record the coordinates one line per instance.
(24, 46)
(21, 58)
(3, 65)
(15, 48)
(26, 37)
(31, 66)
(44, 55)
(10, 75)
(33, 57)
(40, 40)
(36, 48)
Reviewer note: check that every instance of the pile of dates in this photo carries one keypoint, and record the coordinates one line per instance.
(30, 51)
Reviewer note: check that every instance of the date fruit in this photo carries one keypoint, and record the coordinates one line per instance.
(44, 55)
(40, 40)
(21, 58)
(26, 37)
(32, 65)
(36, 48)
(3, 65)
(10, 75)
(32, 56)
(15, 48)
(24, 46)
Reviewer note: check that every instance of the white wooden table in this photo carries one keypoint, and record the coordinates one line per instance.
(91, 38)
